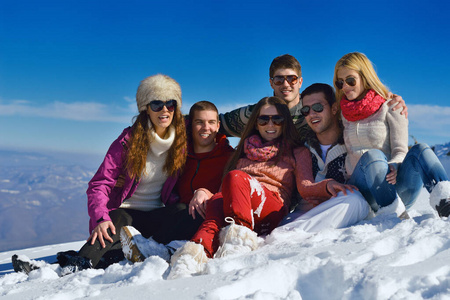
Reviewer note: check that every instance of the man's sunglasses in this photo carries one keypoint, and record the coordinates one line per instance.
(317, 107)
(351, 81)
(279, 80)
(157, 105)
(264, 120)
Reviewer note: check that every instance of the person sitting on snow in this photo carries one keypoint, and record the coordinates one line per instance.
(269, 163)
(208, 153)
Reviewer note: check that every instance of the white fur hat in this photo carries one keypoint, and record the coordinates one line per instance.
(157, 87)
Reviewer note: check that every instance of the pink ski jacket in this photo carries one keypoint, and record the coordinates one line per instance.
(103, 195)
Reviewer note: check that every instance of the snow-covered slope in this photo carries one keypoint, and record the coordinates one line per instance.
(383, 258)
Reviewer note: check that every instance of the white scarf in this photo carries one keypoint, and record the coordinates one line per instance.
(158, 145)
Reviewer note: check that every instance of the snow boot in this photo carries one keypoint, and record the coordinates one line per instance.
(75, 264)
(129, 245)
(397, 207)
(187, 260)
(236, 239)
(137, 248)
(22, 265)
(440, 198)
(64, 256)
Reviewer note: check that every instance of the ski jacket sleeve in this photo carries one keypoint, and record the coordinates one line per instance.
(101, 193)
(309, 190)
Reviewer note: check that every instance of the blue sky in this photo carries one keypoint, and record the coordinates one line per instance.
(69, 70)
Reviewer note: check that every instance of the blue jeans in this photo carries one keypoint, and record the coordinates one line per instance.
(421, 167)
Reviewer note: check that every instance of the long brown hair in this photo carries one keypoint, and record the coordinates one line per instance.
(140, 143)
(289, 135)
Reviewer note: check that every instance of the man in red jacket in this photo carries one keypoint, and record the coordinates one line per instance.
(208, 154)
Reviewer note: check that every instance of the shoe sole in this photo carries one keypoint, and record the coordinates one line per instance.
(129, 247)
(21, 266)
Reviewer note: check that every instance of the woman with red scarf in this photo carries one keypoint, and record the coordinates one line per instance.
(376, 138)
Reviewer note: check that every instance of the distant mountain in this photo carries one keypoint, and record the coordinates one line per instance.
(43, 199)
(442, 150)
(43, 196)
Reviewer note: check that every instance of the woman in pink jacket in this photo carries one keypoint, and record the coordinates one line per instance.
(269, 163)
(128, 186)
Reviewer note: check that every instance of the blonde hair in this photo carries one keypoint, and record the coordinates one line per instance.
(360, 63)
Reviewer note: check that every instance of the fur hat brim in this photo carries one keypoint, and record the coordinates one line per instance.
(157, 87)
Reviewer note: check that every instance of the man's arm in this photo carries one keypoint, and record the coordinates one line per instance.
(232, 123)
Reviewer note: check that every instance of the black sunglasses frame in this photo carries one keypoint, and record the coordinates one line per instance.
(317, 107)
(351, 81)
(157, 105)
(263, 120)
(279, 79)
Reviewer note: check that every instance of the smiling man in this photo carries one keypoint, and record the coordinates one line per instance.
(326, 143)
(208, 153)
(285, 78)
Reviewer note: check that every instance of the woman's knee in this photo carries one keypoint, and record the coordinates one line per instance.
(233, 177)
(374, 160)
(373, 155)
(418, 149)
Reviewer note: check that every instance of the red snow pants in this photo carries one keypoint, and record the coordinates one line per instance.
(244, 199)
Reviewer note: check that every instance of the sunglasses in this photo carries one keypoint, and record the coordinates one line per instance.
(317, 107)
(351, 81)
(264, 120)
(279, 80)
(157, 105)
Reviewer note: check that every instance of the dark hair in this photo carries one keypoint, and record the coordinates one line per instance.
(289, 137)
(330, 96)
(202, 105)
(285, 61)
(198, 106)
(326, 89)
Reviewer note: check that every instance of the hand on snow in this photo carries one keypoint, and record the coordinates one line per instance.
(101, 232)
(335, 187)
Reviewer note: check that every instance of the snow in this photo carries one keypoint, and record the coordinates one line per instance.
(384, 258)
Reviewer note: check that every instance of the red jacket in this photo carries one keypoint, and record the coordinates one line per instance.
(203, 170)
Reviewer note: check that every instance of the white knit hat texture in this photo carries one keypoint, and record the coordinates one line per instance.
(157, 87)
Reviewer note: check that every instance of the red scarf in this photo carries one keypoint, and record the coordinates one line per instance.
(256, 150)
(360, 109)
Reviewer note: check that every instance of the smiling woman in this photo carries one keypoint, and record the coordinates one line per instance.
(127, 189)
(378, 162)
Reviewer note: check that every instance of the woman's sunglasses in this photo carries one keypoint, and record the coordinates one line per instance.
(317, 107)
(279, 80)
(351, 81)
(157, 105)
(264, 120)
